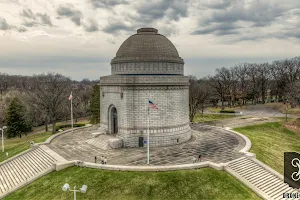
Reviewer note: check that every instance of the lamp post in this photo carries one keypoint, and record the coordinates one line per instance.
(2, 130)
(66, 187)
(286, 110)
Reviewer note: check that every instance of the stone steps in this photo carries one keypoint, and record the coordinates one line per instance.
(19, 170)
(258, 178)
(101, 142)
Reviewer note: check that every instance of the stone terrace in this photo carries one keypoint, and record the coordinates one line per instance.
(213, 144)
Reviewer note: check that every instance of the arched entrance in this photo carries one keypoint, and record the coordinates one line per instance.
(113, 120)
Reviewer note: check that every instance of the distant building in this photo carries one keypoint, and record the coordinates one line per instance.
(147, 67)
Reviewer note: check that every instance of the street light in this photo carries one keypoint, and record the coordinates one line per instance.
(2, 129)
(286, 110)
(66, 187)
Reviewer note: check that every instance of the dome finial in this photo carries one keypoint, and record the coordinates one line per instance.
(147, 30)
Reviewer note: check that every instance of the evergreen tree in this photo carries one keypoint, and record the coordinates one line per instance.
(15, 119)
(95, 105)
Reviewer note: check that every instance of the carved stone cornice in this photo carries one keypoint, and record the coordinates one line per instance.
(155, 87)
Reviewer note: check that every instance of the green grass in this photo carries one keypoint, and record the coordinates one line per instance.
(270, 141)
(204, 183)
(211, 117)
(16, 145)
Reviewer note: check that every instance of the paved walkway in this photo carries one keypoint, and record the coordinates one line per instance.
(213, 144)
(242, 121)
(255, 175)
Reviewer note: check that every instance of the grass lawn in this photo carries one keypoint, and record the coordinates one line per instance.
(211, 117)
(16, 145)
(270, 141)
(204, 183)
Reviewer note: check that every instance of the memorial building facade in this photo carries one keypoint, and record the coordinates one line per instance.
(147, 67)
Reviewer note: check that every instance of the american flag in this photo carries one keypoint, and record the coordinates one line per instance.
(152, 105)
(71, 96)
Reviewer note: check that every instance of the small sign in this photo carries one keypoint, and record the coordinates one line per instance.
(145, 141)
(292, 169)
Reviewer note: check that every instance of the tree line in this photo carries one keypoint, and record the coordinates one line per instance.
(247, 83)
(43, 99)
(30, 101)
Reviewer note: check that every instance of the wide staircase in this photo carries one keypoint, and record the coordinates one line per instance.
(258, 177)
(101, 142)
(24, 168)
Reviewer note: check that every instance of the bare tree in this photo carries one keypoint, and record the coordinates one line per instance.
(49, 92)
(199, 94)
(263, 71)
(241, 73)
(205, 91)
(221, 84)
(254, 82)
(293, 92)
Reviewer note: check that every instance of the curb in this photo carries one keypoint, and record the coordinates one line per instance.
(152, 168)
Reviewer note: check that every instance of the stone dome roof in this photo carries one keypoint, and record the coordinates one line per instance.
(147, 52)
(147, 45)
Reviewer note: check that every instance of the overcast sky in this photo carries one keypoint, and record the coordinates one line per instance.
(78, 38)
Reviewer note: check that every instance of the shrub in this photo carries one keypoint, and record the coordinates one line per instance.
(227, 111)
(69, 126)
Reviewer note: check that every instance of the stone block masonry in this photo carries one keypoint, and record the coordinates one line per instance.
(168, 125)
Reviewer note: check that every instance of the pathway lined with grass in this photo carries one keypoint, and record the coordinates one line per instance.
(204, 183)
(270, 141)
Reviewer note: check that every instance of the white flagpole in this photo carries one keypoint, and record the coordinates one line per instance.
(148, 140)
(72, 111)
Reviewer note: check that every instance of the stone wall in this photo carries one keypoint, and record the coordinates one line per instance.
(168, 125)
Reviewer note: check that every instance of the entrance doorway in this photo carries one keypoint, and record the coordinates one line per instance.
(114, 120)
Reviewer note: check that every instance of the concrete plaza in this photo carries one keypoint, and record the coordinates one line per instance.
(214, 144)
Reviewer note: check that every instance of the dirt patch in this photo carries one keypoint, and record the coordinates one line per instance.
(293, 126)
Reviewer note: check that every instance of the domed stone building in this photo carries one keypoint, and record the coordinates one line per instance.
(147, 66)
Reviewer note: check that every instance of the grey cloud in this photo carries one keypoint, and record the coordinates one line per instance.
(247, 15)
(22, 29)
(172, 10)
(27, 13)
(34, 19)
(111, 40)
(45, 19)
(107, 3)
(3, 24)
(217, 4)
(91, 26)
(259, 12)
(70, 12)
(149, 13)
(115, 27)
(30, 24)
(218, 29)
